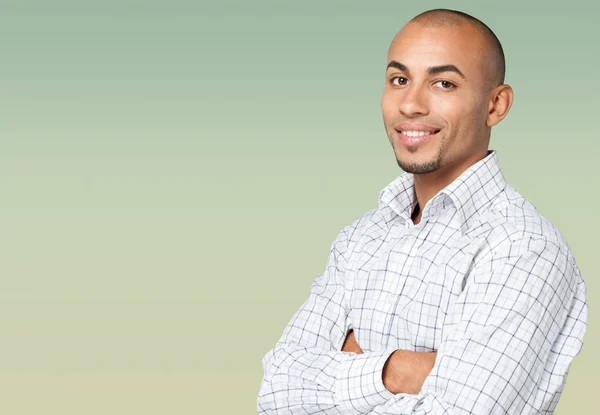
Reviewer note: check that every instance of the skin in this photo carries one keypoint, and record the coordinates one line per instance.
(463, 108)
(405, 370)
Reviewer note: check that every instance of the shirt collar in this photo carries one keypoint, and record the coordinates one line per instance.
(470, 192)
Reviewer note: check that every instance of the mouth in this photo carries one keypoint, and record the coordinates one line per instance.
(416, 137)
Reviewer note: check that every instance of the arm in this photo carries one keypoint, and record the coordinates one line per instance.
(306, 371)
(515, 314)
(404, 371)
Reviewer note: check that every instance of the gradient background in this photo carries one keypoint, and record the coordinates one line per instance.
(172, 175)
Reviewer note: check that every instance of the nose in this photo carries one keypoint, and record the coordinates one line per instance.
(413, 102)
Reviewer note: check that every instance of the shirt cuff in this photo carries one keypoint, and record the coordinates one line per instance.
(359, 382)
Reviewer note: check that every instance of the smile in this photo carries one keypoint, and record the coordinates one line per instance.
(415, 137)
(418, 133)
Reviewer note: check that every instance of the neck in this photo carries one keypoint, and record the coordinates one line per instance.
(429, 184)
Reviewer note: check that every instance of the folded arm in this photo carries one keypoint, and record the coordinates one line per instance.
(307, 371)
(404, 371)
(516, 313)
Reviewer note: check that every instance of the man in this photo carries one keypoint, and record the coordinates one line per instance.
(455, 295)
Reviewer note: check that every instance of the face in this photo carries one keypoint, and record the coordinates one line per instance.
(437, 98)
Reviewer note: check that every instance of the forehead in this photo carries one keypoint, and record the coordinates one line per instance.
(419, 47)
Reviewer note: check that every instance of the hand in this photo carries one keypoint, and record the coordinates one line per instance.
(405, 371)
(350, 344)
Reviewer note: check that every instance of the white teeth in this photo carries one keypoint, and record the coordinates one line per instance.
(416, 133)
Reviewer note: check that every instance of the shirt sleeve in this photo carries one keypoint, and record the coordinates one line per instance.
(306, 372)
(520, 319)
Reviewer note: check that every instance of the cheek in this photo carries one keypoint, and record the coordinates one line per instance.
(448, 106)
(390, 99)
(459, 112)
(387, 105)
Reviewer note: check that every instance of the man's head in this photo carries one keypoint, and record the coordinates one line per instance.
(444, 90)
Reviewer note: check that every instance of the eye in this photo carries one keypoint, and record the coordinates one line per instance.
(400, 80)
(445, 84)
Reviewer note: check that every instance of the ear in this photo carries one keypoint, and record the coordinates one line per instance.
(501, 99)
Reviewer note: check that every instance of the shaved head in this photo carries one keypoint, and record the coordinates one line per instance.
(452, 18)
(444, 90)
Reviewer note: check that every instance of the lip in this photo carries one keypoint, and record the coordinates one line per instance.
(412, 126)
(415, 126)
(414, 141)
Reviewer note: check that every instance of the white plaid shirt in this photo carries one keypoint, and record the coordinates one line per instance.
(483, 279)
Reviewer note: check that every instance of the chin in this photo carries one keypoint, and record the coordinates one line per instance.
(417, 164)
(418, 159)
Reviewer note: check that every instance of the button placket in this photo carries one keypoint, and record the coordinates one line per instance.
(395, 238)
(394, 299)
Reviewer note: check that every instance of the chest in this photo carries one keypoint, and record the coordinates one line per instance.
(404, 282)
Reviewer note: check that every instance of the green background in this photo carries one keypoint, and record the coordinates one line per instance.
(173, 173)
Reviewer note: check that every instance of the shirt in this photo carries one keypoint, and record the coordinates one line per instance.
(483, 279)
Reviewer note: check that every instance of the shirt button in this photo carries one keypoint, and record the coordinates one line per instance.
(391, 300)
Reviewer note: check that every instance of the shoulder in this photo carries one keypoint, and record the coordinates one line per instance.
(370, 225)
(510, 218)
(515, 229)
(350, 237)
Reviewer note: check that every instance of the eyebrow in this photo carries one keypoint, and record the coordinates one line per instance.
(431, 70)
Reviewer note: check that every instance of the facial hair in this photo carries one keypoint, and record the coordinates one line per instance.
(419, 168)
(425, 167)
